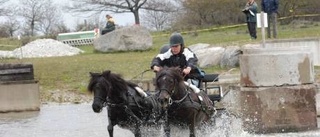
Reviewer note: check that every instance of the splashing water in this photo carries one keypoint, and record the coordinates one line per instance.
(66, 120)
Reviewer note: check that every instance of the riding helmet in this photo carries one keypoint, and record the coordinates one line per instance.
(175, 39)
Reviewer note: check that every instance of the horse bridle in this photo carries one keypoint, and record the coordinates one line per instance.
(170, 93)
(171, 101)
(104, 100)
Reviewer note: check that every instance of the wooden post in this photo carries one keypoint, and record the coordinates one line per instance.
(263, 35)
(20, 45)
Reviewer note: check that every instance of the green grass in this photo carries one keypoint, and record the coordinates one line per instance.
(71, 73)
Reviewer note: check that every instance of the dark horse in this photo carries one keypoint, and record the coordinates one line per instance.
(126, 107)
(181, 105)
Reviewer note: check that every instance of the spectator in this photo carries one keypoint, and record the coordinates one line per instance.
(110, 26)
(251, 9)
(271, 8)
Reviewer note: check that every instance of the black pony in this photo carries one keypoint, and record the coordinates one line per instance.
(127, 106)
(181, 105)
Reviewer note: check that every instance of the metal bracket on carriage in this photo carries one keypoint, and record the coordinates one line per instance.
(193, 87)
(141, 92)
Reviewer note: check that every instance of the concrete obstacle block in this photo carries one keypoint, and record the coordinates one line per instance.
(19, 96)
(276, 67)
(311, 44)
(279, 109)
(318, 99)
(18, 89)
(277, 92)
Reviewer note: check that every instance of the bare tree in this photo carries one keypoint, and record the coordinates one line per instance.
(2, 7)
(156, 20)
(10, 20)
(121, 6)
(32, 12)
(90, 24)
(39, 15)
(206, 13)
(11, 25)
(61, 28)
(51, 18)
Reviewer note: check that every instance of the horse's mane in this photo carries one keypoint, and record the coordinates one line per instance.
(107, 78)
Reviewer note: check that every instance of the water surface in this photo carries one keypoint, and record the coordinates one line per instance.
(78, 120)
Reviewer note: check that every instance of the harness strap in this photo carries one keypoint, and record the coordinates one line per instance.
(199, 106)
(115, 105)
(181, 100)
(129, 111)
(126, 109)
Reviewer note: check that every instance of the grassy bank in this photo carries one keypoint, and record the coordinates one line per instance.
(72, 73)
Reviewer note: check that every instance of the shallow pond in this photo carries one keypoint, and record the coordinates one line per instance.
(78, 120)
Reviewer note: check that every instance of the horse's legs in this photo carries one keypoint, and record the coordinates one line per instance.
(166, 125)
(192, 127)
(167, 129)
(110, 126)
(110, 129)
(137, 131)
(192, 130)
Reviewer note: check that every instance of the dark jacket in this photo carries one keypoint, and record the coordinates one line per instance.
(182, 60)
(110, 26)
(251, 12)
(270, 6)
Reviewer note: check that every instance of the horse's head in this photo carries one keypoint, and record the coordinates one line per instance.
(100, 88)
(169, 82)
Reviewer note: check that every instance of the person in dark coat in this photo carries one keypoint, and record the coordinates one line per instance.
(110, 26)
(271, 8)
(251, 9)
(178, 56)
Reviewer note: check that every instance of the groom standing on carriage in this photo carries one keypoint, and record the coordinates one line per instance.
(179, 56)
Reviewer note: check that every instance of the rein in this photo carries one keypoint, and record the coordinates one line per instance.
(141, 74)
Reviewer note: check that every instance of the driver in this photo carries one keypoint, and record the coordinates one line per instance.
(179, 56)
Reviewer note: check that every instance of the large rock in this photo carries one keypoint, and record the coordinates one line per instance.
(125, 39)
(197, 47)
(230, 57)
(207, 56)
(210, 56)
